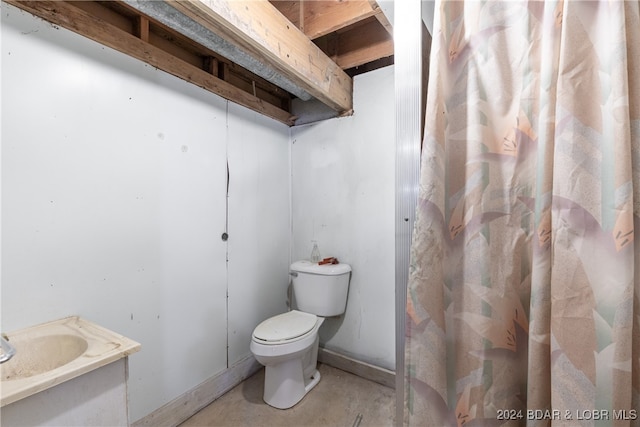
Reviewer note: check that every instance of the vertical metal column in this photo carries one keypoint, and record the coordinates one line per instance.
(407, 36)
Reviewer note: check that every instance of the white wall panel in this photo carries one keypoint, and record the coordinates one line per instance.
(259, 224)
(343, 196)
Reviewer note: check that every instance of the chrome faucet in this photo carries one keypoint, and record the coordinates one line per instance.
(8, 351)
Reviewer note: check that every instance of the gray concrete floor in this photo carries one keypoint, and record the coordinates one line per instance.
(336, 401)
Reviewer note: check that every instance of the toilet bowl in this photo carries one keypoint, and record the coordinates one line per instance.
(287, 344)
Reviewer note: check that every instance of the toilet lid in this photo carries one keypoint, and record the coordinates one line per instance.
(285, 326)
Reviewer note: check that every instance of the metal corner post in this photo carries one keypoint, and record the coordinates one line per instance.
(408, 81)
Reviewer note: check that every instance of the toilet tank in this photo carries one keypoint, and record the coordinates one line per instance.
(320, 289)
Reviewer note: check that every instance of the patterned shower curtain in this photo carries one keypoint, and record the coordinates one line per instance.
(523, 300)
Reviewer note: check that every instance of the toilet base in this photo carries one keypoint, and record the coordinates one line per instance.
(284, 384)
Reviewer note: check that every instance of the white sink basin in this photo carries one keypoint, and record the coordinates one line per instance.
(41, 354)
(55, 352)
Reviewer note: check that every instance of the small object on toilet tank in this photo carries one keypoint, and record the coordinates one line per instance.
(315, 253)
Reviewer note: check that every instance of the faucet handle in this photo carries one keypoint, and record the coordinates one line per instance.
(8, 351)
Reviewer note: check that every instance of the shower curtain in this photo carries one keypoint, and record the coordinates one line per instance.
(523, 301)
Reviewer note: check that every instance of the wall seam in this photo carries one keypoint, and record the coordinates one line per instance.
(226, 227)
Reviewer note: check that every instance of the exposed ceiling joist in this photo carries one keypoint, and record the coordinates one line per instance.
(381, 17)
(258, 29)
(164, 13)
(318, 18)
(285, 59)
(67, 15)
(352, 33)
(349, 49)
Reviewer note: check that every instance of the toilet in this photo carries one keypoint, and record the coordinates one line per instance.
(287, 344)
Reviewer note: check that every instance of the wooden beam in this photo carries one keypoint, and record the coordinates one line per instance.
(381, 17)
(77, 20)
(210, 65)
(354, 49)
(290, 9)
(324, 17)
(317, 18)
(142, 28)
(257, 28)
(301, 16)
(164, 41)
(125, 23)
(345, 30)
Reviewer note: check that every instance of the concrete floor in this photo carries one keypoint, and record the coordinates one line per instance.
(336, 401)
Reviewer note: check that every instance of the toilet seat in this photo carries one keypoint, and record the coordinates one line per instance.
(285, 328)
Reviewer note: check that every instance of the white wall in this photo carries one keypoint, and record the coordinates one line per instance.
(343, 196)
(114, 200)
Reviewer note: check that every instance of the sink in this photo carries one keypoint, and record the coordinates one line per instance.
(41, 354)
(52, 353)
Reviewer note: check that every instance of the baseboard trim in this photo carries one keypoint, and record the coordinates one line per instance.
(362, 369)
(189, 403)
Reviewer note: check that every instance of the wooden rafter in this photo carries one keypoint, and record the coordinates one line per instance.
(317, 18)
(355, 50)
(324, 17)
(380, 16)
(357, 45)
(257, 28)
(281, 49)
(352, 33)
(120, 36)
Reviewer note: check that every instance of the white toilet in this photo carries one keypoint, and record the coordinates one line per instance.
(287, 344)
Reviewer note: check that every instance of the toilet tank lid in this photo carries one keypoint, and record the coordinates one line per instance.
(306, 266)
